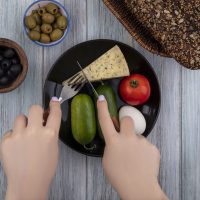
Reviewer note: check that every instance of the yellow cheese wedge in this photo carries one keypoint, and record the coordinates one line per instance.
(112, 64)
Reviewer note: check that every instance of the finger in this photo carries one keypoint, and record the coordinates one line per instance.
(7, 134)
(54, 118)
(156, 154)
(35, 116)
(45, 117)
(158, 166)
(20, 123)
(105, 120)
(127, 126)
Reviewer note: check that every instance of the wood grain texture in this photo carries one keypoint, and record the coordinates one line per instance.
(190, 135)
(176, 133)
(166, 134)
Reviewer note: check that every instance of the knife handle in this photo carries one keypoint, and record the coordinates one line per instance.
(45, 116)
(116, 123)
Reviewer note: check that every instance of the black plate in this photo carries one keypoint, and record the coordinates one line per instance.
(86, 53)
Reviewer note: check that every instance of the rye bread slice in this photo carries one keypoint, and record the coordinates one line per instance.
(175, 24)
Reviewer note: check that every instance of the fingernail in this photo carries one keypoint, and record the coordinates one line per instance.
(55, 99)
(101, 98)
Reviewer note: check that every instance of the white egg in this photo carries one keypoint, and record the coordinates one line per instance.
(136, 115)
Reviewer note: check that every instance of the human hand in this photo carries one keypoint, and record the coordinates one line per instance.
(29, 153)
(130, 162)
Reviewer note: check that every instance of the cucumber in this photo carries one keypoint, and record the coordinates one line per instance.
(110, 96)
(83, 119)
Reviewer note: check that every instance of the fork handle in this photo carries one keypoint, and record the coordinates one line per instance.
(54, 88)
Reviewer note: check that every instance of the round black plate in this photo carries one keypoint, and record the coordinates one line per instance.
(86, 53)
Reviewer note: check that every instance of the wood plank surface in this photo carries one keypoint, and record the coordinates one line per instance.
(190, 135)
(176, 134)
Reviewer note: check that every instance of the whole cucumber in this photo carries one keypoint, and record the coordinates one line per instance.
(83, 119)
(110, 96)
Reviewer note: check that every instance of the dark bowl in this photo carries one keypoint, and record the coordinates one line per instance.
(24, 62)
(86, 53)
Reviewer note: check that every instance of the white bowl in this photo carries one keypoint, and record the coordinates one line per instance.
(42, 3)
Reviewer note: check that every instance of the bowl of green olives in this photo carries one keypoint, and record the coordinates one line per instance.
(13, 65)
(46, 22)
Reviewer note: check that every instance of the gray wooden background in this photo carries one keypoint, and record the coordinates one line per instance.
(176, 134)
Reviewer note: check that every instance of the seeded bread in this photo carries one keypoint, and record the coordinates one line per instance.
(175, 24)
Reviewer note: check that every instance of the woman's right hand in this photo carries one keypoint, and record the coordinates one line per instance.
(130, 162)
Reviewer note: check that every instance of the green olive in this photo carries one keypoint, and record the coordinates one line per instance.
(37, 18)
(30, 22)
(58, 15)
(37, 28)
(34, 11)
(48, 18)
(44, 38)
(56, 35)
(34, 35)
(62, 22)
(41, 11)
(55, 26)
(52, 8)
(46, 28)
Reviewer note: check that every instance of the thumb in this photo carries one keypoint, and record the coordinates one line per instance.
(105, 120)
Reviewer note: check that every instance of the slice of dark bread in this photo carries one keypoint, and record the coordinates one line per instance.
(175, 24)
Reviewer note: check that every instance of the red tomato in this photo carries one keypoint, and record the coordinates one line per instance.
(135, 89)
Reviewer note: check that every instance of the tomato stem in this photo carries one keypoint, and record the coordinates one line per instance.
(134, 83)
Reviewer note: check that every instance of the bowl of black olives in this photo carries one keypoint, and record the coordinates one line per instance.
(13, 65)
(46, 23)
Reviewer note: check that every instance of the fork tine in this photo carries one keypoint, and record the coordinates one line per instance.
(79, 80)
(68, 81)
(73, 77)
(82, 81)
(75, 80)
(79, 87)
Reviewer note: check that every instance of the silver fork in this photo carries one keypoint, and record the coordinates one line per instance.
(69, 91)
(78, 78)
(63, 91)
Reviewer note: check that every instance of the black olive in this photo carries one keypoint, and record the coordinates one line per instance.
(4, 81)
(5, 65)
(9, 53)
(1, 73)
(16, 69)
(15, 61)
(10, 75)
(2, 49)
(1, 58)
